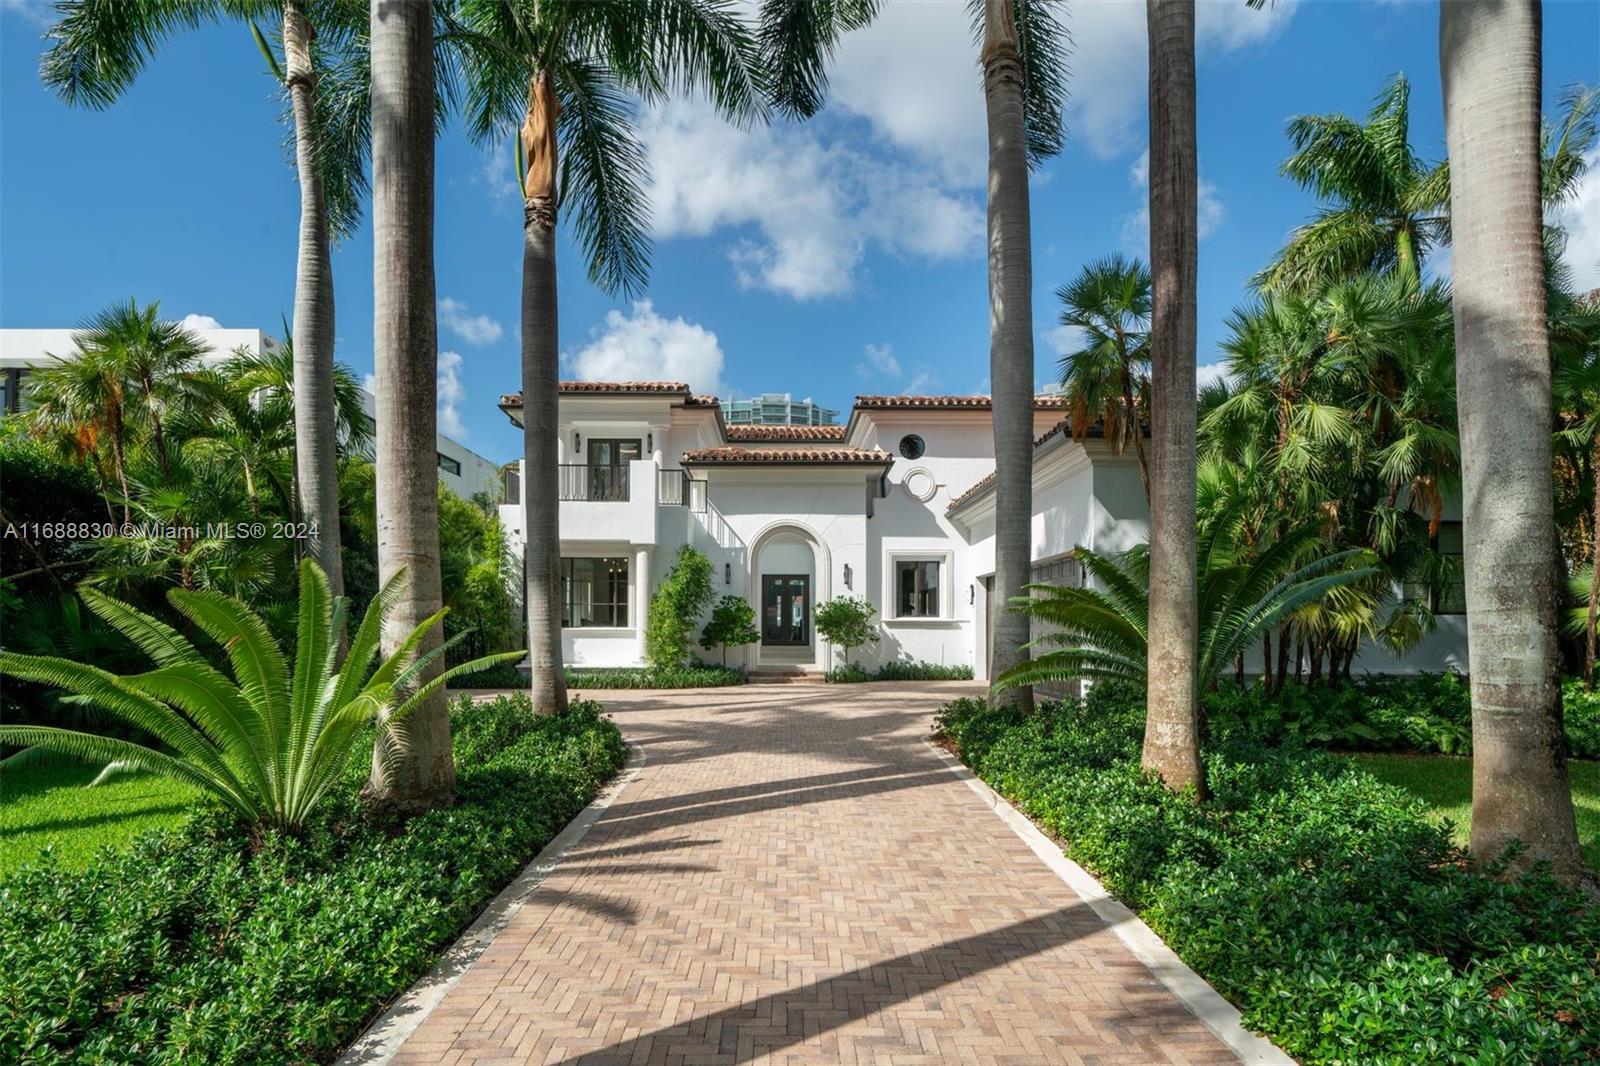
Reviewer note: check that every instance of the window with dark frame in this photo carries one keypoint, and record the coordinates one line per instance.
(1444, 591)
(916, 583)
(594, 592)
(449, 465)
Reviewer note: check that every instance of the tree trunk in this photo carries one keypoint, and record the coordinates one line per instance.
(415, 770)
(1172, 735)
(1489, 60)
(1594, 580)
(1010, 336)
(1283, 658)
(1266, 660)
(315, 460)
(1137, 432)
(541, 374)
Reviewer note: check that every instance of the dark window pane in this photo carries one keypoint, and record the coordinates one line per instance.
(917, 589)
(594, 592)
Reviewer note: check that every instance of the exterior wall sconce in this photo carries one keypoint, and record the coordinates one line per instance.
(972, 594)
(727, 573)
(649, 442)
(577, 440)
(847, 576)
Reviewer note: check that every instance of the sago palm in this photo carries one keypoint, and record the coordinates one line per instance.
(270, 740)
(1102, 631)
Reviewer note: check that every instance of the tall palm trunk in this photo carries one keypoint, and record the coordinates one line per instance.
(1172, 732)
(1010, 335)
(540, 381)
(315, 459)
(414, 769)
(1594, 579)
(1490, 69)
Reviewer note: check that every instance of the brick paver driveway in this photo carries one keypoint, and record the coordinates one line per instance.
(795, 877)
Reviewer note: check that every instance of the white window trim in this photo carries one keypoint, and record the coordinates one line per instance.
(946, 561)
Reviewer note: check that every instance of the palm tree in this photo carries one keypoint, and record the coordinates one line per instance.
(1102, 632)
(1108, 379)
(1172, 728)
(416, 771)
(1489, 60)
(1385, 206)
(1023, 89)
(129, 367)
(561, 73)
(99, 50)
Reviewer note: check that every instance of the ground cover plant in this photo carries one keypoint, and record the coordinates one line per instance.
(1343, 922)
(695, 675)
(210, 943)
(900, 670)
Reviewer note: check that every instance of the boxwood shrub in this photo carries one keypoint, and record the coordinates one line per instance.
(205, 945)
(1345, 926)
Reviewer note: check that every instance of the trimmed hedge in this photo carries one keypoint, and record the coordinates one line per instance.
(700, 675)
(899, 670)
(203, 945)
(1345, 925)
(1426, 713)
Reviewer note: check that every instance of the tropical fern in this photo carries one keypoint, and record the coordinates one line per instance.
(270, 740)
(1101, 631)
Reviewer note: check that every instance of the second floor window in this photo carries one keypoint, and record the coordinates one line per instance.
(449, 465)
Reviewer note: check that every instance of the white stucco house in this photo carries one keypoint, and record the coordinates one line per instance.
(895, 506)
(463, 471)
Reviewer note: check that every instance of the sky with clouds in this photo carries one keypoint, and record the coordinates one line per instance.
(824, 259)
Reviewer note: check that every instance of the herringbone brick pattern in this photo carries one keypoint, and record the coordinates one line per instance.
(795, 878)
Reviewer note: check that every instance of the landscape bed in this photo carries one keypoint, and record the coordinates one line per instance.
(208, 944)
(1342, 921)
(700, 675)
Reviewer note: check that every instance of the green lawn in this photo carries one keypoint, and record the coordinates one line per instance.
(50, 805)
(1444, 783)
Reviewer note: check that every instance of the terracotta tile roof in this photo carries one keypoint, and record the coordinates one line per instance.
(614, 388)
(977, 403)
(1062, 427)
(843, 456)
(786, 433)
(978, 489)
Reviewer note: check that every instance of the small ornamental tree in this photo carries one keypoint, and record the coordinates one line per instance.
(733, 623)
(847, 622)
(676, 607)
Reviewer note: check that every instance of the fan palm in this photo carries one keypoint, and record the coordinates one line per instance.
(269, 741)
(1102, 631)
(1108, 379)
(98, 49)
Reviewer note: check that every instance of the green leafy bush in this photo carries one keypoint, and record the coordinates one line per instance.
(733, 623)
(846, 621)
(695, 675)
(208, 945)
(1344, 924)
(900, 670)
(675, 610)
(1423, 713)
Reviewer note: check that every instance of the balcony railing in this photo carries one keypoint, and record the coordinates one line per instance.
(577, 481)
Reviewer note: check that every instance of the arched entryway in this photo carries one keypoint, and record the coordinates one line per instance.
(788, 578)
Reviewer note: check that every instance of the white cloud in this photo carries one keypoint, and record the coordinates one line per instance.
(879, 362)
(370, 383)
(199, 322)
(1136, 223)
(1063, 340)
(474, 329)
(1580, 217)
(809, 209)
(923, 382)
(644, 346)
(451, 395)
(913, 74)
(1207, 373)
(38, 12)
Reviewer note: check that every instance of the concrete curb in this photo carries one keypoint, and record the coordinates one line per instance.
(1216, 1013)
(383, 1037)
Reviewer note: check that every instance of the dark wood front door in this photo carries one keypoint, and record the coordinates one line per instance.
(785, 610)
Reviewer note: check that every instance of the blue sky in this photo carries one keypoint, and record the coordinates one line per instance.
(837, 257)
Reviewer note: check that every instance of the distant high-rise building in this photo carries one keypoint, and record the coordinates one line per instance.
(777, 409)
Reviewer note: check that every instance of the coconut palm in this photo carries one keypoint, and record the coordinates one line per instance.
(272, 739)
(561, 74)
(1023, 62)
(98, 50)
(1384, 206)
(1172, 730)
(418, 772)
(1108, 379)
(1489, 61)
(1102, 631)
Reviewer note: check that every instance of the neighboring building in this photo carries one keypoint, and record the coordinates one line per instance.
(777, 409)
(895, 506)
(463, 471)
